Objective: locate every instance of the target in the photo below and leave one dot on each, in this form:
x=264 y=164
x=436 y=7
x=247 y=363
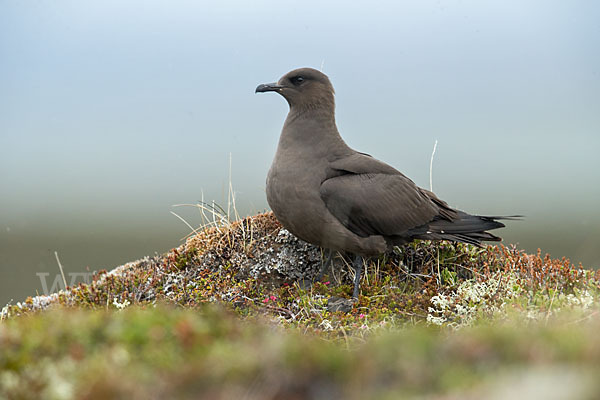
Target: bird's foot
x=340 y=304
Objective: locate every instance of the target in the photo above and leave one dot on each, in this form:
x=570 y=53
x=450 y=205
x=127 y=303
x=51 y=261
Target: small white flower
x=122 y=305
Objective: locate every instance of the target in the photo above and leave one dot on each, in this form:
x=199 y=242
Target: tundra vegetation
x=233 y=313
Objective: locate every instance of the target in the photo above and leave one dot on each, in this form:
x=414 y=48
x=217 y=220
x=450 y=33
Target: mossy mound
x=228 y=315
x=255 y=267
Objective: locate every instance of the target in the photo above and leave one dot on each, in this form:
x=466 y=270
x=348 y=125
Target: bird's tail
x=466 y=228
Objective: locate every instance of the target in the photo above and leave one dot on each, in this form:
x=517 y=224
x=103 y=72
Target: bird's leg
x=358 y=267
x=335 y=304
x=325 y=263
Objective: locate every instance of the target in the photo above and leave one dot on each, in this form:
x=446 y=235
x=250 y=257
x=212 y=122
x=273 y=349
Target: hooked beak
x=268 y=87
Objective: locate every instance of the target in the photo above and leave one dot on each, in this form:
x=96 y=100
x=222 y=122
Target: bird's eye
x=297 y=80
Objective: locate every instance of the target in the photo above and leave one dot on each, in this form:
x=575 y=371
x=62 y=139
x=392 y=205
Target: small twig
x=582 y=319
x=281 y=310
x=439 y=275
x=419 y=275
x=345 y=338
x=550 y=306
x=431 y=167
x=495 y=295
x=229 y=191
x=62 y=273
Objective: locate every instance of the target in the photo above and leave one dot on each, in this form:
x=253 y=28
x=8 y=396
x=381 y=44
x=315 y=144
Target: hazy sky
x=112 y=111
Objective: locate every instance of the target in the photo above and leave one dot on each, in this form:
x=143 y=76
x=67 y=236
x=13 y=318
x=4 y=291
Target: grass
x=226 y=315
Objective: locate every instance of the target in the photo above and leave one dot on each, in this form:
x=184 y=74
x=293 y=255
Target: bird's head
x=303 y=88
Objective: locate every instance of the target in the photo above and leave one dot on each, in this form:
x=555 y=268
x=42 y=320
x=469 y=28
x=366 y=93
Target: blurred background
x=112 y=112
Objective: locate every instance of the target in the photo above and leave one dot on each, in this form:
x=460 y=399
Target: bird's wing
x=361 y=163
x=377 y=204
x=372 y=198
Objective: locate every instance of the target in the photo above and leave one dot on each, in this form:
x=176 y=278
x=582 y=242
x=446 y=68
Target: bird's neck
x=314 y=129
x=324 y=116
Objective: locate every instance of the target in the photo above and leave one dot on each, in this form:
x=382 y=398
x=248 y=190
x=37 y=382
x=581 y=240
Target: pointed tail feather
x=466 y=228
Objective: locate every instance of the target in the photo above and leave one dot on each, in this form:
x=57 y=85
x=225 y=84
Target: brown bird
x=332 y=196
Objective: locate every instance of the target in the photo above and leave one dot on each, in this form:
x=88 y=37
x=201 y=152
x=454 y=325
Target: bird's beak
x=268 y=87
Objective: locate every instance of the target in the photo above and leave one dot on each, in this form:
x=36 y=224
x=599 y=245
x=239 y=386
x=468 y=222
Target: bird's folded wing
x=360 y=163
x=377 y=203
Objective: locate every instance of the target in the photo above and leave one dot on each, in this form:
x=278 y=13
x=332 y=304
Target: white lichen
x=326 y=325
x=470 y=299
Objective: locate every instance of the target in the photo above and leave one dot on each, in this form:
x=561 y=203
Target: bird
x=330 y=195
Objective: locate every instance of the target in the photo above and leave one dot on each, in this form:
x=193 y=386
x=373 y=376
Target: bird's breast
x=293 y=195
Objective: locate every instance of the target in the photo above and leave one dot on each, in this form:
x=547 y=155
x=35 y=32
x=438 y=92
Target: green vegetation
x=227 y=315
x=168 y=352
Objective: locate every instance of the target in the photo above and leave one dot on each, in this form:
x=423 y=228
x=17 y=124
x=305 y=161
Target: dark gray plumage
x=332 y=196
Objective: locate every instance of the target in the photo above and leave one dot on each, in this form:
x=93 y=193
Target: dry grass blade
x=62 y=272
x=194 y=231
